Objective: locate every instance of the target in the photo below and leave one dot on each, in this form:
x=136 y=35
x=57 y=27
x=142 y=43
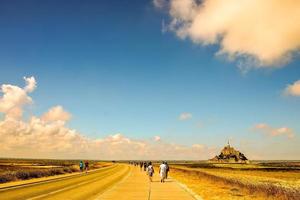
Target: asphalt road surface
x=117 y=182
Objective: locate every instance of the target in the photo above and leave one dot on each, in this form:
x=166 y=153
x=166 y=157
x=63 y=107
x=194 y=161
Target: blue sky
x=111 y=66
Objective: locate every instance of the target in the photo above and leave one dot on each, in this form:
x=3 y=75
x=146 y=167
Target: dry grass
x=13 y=173
x=232 y=184
x=23 y=169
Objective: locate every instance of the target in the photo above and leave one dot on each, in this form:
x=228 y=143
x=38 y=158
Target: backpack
x=150 y=169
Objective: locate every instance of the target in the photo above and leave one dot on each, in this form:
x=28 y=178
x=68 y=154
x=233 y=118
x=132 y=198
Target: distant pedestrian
x=141 y=166
x=168 y=169
x=150 y=171
x=145 y=166
x=162 y=172
x=86 y=164
x=81 y=166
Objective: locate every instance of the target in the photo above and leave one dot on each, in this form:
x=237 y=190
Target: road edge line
x=112 y=187
x=52 y=179
x=65 y=188
x=149 y=193
x=188 y=190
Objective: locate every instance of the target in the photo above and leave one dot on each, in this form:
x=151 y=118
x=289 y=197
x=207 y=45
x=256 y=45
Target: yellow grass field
x=211 y=181
x=230 y=181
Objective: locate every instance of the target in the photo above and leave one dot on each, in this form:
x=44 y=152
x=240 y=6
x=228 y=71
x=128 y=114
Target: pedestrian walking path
x=137 y=187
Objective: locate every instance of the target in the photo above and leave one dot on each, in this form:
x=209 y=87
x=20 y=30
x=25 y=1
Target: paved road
x=137 y=187
x=82 y=186
x=112 y=183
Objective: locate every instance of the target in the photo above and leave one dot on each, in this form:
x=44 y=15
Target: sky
x=149 y=79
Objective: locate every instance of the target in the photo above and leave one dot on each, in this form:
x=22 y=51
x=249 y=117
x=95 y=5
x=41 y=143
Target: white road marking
x=66 y=188
x=50 y=180
x=114 y=186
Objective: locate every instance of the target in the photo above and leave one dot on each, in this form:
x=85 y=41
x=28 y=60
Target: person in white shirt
x=150 y=171
x=162 y=172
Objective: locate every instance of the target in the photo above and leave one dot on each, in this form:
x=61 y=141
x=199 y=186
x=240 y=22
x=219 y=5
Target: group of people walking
x=84 y=166
x=149 y=169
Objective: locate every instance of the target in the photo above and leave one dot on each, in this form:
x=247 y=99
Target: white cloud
x=56 y=113
x=270 y=131
x=38 y=138
x=14 y=98
x=293 y=89
x=185 y=116
x=30 y=84
x=198 y=146
x=157 y=138
x=48 y=137
x=257 y=33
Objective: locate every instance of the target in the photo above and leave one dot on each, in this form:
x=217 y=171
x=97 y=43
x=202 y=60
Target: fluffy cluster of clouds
x=270 y=131
x=14 y=98
x=47 y=136
x=293 y=89
x=257 y=33
x=56 y=113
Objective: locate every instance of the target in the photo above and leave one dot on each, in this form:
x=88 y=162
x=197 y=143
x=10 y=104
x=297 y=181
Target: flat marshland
x=259 y=180
x=23 y=169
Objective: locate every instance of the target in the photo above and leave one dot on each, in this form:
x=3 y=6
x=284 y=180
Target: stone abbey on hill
x=229 y=154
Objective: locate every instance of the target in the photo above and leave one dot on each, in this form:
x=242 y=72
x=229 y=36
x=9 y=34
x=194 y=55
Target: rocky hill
x=229 y=154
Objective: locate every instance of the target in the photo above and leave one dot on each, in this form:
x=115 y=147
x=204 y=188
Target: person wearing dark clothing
x=145 y=166
x=150 y=171
x=86 y=164
x=168 y=169
x=141 y=166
